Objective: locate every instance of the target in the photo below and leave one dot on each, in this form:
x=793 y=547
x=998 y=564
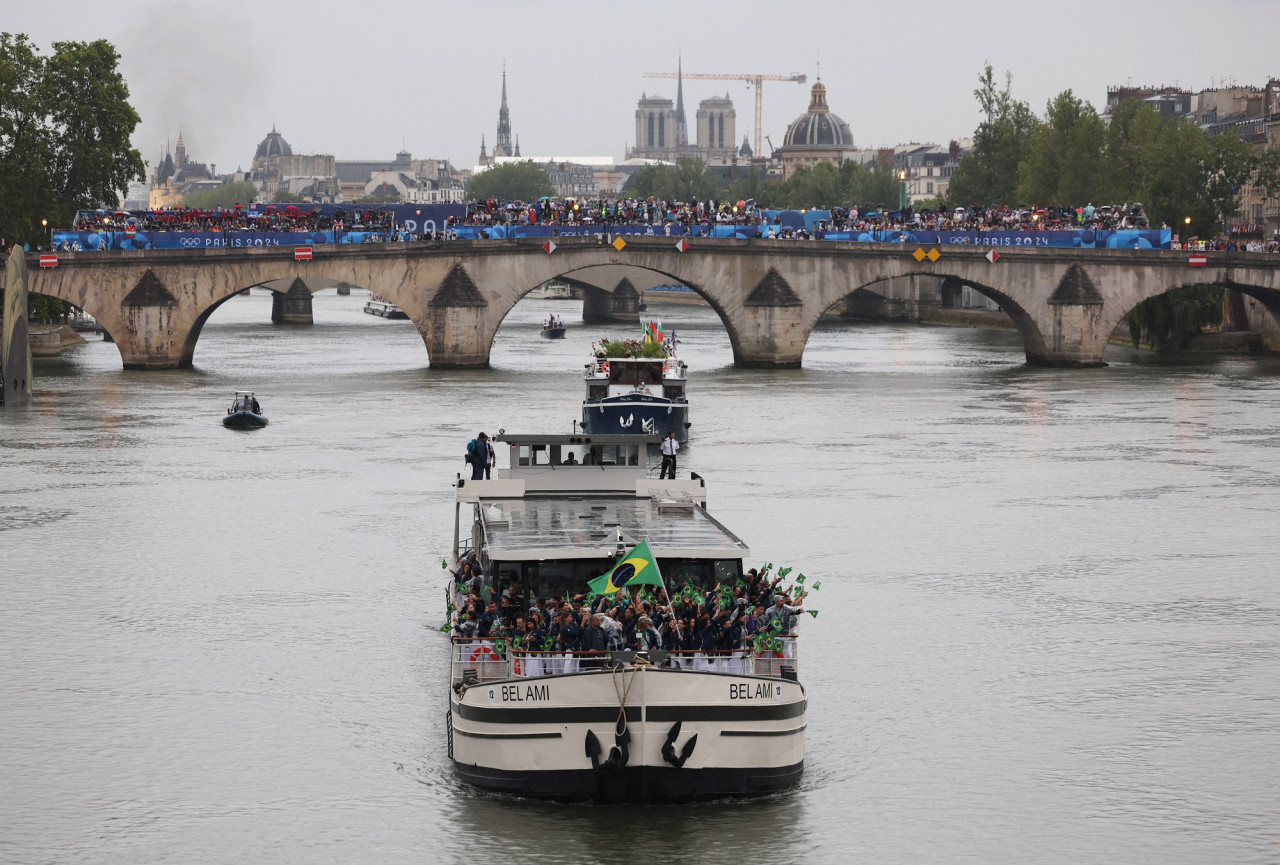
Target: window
x=721 y=130
x=649 y=139
x=928 y=188
x=662 y=131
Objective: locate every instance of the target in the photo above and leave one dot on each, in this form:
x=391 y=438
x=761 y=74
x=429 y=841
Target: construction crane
x=756 y=81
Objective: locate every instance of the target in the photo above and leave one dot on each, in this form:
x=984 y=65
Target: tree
x=1134 y=127
x=1064 y=162
x=1168 y=321
x=227 y=195
x=65 y=125
x=685 y=181
x=284 y=196
x=988 y=174
x=514 y=181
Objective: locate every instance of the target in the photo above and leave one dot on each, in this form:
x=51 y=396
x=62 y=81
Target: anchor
x=626 y=424
x=669 y=750
x=649 y=425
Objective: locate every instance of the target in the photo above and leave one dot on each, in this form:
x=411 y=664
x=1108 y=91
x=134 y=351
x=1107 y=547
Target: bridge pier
x=620 y=307
x=1077 y=333
x=293 y=306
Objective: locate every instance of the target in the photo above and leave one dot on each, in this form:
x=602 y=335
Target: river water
x=1048 y=631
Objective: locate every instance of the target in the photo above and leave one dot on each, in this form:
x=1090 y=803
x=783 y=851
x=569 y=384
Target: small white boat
x=380 y=306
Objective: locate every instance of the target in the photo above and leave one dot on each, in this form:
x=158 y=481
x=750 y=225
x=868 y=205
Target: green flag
x=816 y=585
x=813 y=613
x=637 y=568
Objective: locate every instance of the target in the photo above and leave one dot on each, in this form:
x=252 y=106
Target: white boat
x=651 y=727
x=636 y=395
x=378 y=305
x=555 y=290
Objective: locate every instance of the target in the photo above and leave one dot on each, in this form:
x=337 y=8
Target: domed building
x=276 y=168
x=273 y=145
x=815 y=136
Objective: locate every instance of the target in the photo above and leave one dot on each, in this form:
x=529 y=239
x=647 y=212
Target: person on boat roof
x=478 y=456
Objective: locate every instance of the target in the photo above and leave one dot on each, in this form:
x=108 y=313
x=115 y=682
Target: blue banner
x=140 y=239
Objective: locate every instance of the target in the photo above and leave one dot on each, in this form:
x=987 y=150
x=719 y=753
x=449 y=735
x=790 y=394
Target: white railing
x=483 y=656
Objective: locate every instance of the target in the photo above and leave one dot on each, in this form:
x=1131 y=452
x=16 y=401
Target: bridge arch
x=1267 y=295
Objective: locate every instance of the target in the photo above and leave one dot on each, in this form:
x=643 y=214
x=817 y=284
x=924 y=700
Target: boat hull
x=637 y=415
x=244 y=420
x=553 y=333
x=647 y=785
x=533 y=736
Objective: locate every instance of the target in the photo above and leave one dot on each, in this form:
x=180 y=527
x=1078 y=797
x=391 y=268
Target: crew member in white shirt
x=669 y=449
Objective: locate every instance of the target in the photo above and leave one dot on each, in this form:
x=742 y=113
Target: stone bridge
x=770 y=294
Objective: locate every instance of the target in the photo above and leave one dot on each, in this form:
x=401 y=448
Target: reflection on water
x=1047 y=631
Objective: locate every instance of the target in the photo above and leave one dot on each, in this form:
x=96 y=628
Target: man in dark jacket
x=593 y=641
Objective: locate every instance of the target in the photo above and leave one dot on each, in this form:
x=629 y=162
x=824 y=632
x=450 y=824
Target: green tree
x=227 y=195
x=686 y=180
x=1134 y=127
x=1168 y=321
x=988 y=174
x=65 y=125
x=514 y=181
x=1063 y=165
x=284 y=196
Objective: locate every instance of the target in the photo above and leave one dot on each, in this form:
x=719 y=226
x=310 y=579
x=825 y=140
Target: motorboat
x=632 y=391
x=553 y=328
x=650 y=727
x=380 y=306
x=245 y=412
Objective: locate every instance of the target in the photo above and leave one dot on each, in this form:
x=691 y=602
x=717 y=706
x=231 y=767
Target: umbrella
x=271 y=207
x=290 y=209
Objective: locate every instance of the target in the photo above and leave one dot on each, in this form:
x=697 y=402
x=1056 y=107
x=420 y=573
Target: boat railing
x=493 y=659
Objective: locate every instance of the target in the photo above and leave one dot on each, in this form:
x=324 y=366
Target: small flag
x=800 y=579
x=48 y=261
x=782 y=572
x=816 y=585
x=813 y=613
x=302 y=253
x=446 y=627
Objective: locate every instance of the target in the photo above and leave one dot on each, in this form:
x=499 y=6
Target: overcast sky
x=356 y=80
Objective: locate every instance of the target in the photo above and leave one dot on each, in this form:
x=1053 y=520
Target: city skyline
x=573 y=78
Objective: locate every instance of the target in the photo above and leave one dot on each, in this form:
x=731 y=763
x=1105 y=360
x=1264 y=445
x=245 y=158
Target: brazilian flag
x=637 y=568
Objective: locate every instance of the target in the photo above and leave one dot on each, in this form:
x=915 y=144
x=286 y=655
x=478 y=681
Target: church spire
x=682 y=126
x=502 y=147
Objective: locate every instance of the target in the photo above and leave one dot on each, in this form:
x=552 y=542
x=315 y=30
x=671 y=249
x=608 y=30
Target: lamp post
x=1187 y=222
x=44 y=225
x=902 y=189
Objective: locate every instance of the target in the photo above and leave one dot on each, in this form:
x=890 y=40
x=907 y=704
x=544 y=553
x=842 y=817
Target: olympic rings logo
x=190 y=242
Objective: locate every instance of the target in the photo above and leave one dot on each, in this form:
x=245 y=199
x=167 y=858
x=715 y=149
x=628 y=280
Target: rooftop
x=570 y=527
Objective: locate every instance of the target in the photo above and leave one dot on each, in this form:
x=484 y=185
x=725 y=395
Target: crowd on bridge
x=271 y=217
x=715 y=627
x=379 y=223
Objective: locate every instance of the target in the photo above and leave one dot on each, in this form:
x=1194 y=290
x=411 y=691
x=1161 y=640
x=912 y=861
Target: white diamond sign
x=993 y=256
x=549 y=246
x=682 y=245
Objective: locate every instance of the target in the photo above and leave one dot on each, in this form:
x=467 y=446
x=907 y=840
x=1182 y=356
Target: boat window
x=534 y=455
x=551 y=578
x=703 y=573
x=573 y=455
